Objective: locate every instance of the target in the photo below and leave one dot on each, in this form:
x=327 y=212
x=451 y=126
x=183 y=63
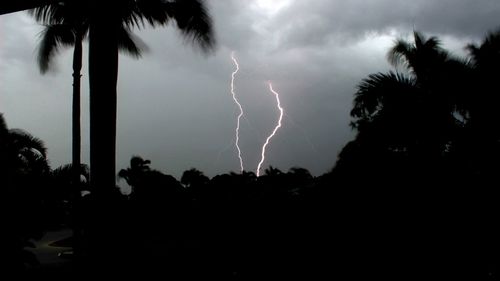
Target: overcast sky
x=174 y=105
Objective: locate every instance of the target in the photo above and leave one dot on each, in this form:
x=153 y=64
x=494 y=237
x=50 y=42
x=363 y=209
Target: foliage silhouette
x=426 y=138
x=413 y=196
x=106 y=24
x=134 y=174
x=67 y=24
x=24 y=174
x=62 y=198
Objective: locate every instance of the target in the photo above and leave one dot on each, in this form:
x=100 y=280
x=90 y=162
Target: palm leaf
x=400 y=53
x=375 y=91
x=130 y=43
x=53 y=37
x=193 y=21
x=23 y=141
x=65 y=172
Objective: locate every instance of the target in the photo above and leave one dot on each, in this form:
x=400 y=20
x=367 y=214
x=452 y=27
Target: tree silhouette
x=67 y=24
x=193 y=177
x=195 y=182
x=105 y=25
x=482 y=146
x=135 y=173
x=482 y=107
x=418 y=113
x=24 y=175
x=62 y=198
x=427 y=136
x=272 y=172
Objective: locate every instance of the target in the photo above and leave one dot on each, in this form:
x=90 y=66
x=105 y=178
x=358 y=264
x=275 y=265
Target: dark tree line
x=437 y=114
x=424 y=162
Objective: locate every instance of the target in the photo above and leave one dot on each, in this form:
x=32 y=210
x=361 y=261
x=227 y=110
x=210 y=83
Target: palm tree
x=486 y=56
x=63 y=177
x=194 y=178
x=485 y=61
x=21 y=153
x=23 y=157
x=68 y=25
x=63 y=199
x=24 y=170
x=105 y=23
x=484 y=134
x=416 y=111
x=387 y=110
x=410 y=121
x=423 y=58
x=135 y=174
x=430 y=65
x=71 y=31
x=193 y=21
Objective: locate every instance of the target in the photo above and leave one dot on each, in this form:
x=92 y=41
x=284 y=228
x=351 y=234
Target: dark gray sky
x=174 y=105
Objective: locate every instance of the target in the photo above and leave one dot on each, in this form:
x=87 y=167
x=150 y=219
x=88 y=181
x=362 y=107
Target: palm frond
x=130 y=43
x=54 y=13
x=400 y=53
x=433 y=43
x=194 y=22
x=65 y=172
x=154 y=12
x=53 y=37
x=374 y=90
x=473 y=50
x=488 y=53
x=22 y=140
x=67 y=12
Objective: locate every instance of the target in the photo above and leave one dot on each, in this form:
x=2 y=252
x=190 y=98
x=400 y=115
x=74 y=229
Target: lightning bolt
x=237 y=130
x=263 y=154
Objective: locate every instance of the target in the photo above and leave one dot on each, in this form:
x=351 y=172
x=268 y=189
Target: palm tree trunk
x=103 y=74
x=77 y=66
x=76 y=149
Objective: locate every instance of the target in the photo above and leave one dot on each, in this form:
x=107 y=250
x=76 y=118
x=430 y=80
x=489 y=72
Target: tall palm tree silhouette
x=193 y=21
x=69 y=30
x=68 y=25
x=106 y=24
